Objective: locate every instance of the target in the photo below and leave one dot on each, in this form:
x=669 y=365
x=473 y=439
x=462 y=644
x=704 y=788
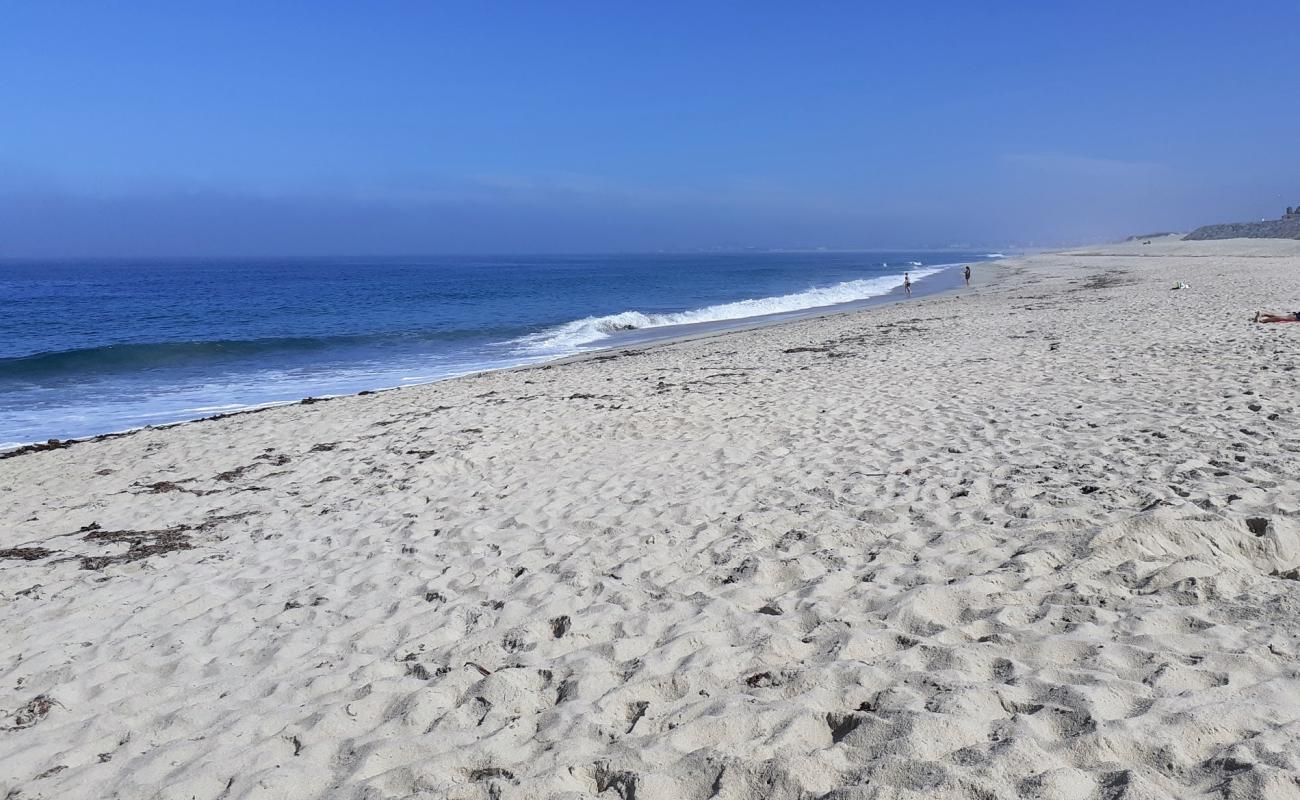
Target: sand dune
x=1040 y=538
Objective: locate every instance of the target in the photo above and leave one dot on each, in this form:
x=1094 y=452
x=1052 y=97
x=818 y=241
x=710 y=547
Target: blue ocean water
x=89 y=347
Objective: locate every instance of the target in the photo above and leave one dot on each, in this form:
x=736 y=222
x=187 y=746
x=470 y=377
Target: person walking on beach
x=907 y=284
x=968 y=274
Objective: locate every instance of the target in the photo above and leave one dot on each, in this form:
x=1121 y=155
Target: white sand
x=988 y=545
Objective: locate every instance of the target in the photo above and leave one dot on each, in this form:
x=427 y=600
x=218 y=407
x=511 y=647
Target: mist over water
x=90 y=347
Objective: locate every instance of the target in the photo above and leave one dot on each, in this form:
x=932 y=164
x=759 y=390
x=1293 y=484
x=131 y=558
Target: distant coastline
x=1285 y=227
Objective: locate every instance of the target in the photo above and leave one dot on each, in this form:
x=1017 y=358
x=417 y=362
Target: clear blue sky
x=402 y=127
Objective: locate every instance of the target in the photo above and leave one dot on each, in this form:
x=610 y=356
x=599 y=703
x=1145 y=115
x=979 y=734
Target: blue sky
x=179 y=128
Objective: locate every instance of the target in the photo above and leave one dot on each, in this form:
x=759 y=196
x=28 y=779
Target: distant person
x=907 y=284
x=968 y=274
x=1267 y=316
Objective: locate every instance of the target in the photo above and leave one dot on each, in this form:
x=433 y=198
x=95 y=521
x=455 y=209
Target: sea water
x=90 y=347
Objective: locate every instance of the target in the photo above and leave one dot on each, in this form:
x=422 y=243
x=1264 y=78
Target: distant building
x=1292 y=213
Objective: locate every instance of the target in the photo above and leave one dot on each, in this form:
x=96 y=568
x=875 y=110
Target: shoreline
x=1038 y=539
x=742 y=324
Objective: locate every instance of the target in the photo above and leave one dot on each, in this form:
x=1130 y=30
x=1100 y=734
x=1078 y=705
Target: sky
x=329 y=128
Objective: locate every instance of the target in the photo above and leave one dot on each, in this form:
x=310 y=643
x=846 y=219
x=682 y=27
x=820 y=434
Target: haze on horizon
x=182 y=129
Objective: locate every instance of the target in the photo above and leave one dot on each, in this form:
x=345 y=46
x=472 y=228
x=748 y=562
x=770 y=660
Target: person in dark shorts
x=907 y=284
x=968 y=274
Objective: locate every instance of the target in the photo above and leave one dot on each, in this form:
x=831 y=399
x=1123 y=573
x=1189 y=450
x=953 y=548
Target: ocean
x=98 y=346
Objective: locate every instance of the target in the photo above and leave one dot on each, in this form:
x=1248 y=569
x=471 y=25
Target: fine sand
x=1038 y=538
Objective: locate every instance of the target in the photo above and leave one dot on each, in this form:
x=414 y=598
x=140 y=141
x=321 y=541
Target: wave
x=143 y=356
x=995 y=255
x=582 y=333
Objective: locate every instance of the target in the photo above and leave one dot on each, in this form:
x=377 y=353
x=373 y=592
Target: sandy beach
x=1036 y=538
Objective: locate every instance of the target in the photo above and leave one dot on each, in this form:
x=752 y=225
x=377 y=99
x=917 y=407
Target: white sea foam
x=995 y=255
x=582 y=333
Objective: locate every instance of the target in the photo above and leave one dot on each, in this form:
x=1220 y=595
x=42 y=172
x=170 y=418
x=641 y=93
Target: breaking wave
x=582 y=333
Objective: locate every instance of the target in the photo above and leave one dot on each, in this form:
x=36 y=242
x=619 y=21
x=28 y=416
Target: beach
x=1034 y=538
